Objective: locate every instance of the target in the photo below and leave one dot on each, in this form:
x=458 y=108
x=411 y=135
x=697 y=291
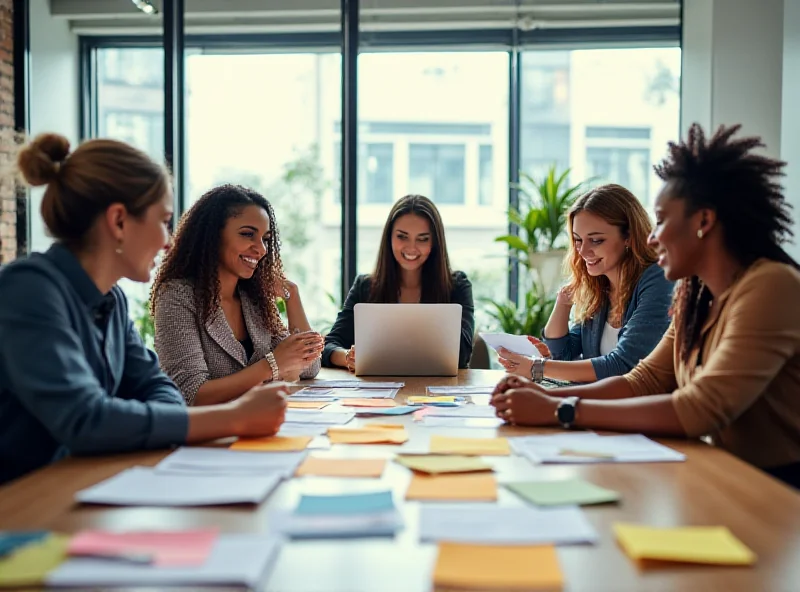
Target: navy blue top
x=645 y=321
x=75 y=377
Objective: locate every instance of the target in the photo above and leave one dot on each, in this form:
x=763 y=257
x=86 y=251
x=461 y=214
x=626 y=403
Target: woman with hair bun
x=75 y=377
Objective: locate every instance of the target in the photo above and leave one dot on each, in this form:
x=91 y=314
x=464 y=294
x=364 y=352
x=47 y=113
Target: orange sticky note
x=341 y=467
x=490 y=567
x=366 y=436
x=477 y=487
x=273 y=443
x=470 y=446
x=306 y=405
x=368 y=403
x=385 y=426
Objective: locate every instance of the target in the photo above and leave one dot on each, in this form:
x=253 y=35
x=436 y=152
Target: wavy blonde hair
x=619 y=207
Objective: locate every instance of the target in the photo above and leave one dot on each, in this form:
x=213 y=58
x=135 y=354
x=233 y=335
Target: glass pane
x=606 y=114
x=445 y=117
x=267 y=121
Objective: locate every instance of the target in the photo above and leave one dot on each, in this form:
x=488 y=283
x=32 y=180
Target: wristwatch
x=565 y=412
x=273 y=364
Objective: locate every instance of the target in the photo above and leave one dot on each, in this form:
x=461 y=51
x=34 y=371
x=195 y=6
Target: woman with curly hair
x=619 y=295
x=218 y=328
x=729 y=366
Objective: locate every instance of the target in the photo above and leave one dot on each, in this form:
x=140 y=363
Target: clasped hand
x=297 y=352
x=521 y=401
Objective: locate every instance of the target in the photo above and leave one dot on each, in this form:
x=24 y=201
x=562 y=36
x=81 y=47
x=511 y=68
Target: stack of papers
x=504 y=525
x=429 y=421
x=487 y=567
x=517 y=344
x=591 y=448
x=305 y=416
x=436 y=400
x=368 y=435
x=473 y=411
x=272 y=444
x=224 y=461
x=354 y=384
x=307 y=404
x=563 y=492
x=435 y=465
x=401 y=410
x=460 y=390
x=289 y=430
x=340 y=516
x=145 y=486
x=235 y=560
x=368 y=402
x=29 y=562
x=475 y=487
x=469 y=446
x=707 y=544
x=161 y=548
x=341 y=467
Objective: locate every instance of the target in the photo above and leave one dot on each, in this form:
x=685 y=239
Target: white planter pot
x=548 y=269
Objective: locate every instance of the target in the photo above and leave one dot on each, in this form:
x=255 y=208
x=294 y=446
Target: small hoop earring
x=700 y=233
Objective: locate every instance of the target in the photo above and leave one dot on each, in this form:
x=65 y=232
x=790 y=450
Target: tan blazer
x=191 y=352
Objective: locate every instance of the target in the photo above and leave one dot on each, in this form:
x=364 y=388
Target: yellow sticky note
x=368 y=403
x=385 y=426
x=490 y=567
x=689 y=544
x=341 y=467
x=425 y=399
x=306 y=405
x=28 y=565
x=443 y=464
x=366 y=436
x=470 y=446
x=272 y=444
x=478 y=488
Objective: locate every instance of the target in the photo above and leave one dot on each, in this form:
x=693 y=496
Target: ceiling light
x=146 y=6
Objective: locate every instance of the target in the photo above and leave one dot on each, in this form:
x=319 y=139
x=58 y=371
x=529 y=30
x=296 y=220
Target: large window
x=445 y=117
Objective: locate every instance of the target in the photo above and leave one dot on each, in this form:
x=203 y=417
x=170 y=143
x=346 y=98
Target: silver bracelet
x=537 y=369
x=273 y=364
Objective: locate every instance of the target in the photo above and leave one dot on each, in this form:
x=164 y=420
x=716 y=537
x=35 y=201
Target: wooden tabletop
x=710 y=488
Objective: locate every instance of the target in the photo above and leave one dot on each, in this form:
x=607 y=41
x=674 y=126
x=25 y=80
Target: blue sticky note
x=401 y=410
x=359 y=503
x=10 y=541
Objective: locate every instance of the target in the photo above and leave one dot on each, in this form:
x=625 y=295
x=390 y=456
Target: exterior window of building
x=437 y=171
x=376 y=179
x=485 y=175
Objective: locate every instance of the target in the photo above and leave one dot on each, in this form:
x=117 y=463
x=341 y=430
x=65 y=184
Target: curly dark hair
x=195 y=254
x=743 y=189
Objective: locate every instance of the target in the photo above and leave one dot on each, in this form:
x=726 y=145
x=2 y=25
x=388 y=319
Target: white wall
x=54 y=92
x=790 y=131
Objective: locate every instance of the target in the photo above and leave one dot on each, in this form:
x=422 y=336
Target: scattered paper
x=321 y=526
x=462 y=487
x=361 y=402
x=493 y=567
x=235 y=560
x=469 y=446
x=144 y=486
x=481 y=411
x=165 y=548
x=563 y=492
x=460 y=422
x=367 y=436
x=229 y=462
x=355 y=383
x=307 y=404
x=460 y=390
x=342 y=467
x=427 y=400
x=504 y=525
x=12 y=540
x=272 y=444
x=29 y=564
x=517 y=344
x=349 y=504
x=590 y=448
x=698 y=544
x=289 y=430
x=322 y=417
x=443 y=464
x=401 y=410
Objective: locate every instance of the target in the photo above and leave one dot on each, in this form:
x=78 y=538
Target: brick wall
x=8 y=199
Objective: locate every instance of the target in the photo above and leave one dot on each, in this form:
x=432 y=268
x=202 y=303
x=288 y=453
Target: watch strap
x=566 y=411
x=273 y=364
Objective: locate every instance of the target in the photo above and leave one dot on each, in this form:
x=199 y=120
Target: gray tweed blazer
x=192 y=352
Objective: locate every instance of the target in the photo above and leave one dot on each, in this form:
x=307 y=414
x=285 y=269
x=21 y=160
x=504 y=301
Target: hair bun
x=40 y=161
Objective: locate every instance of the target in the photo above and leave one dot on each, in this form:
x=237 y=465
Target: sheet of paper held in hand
x=518 y=344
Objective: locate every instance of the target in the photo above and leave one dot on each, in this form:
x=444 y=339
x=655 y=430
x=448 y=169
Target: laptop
x=407 y=339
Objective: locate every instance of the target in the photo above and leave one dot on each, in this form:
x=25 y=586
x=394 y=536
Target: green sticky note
x=563 y=492
x=444 y=464
x=28 y=565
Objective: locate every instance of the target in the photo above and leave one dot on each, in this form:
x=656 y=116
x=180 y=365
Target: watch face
x=566 y=412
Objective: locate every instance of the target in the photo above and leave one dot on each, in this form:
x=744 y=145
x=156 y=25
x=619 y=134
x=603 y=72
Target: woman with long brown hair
x=412 y=266
x=617 y=295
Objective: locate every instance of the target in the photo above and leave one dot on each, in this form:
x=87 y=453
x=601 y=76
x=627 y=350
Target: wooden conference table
x=710 y=488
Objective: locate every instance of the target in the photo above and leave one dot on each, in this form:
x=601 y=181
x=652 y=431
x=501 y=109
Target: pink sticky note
x=167 y=548
x=418 y=415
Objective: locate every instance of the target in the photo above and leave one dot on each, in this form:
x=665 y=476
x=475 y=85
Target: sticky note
x=13 y=540
x=385 y=426
x=358 y=503
x=366 y=436
x=424 y=399
x=563 y=492
x=688 y=544
x=166 y=548
x=306 y=405
x=479 y=487
x=368 y=402
x=443 y=464
x=28 y=565
x=402 y=410
x=273 y=443
x=341 y=467
x=493 y=567
x=470 y=446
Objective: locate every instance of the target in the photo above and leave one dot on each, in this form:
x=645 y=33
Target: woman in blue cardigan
x=617 y=296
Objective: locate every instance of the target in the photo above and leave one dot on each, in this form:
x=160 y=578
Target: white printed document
x=518 y=344
x=581 y=448
x=223 y=461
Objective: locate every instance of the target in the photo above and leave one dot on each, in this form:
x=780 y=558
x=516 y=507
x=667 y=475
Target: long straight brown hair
x=437 y=277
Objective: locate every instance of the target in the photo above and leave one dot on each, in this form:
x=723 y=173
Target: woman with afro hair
x=218 y=328
x=729 y=365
